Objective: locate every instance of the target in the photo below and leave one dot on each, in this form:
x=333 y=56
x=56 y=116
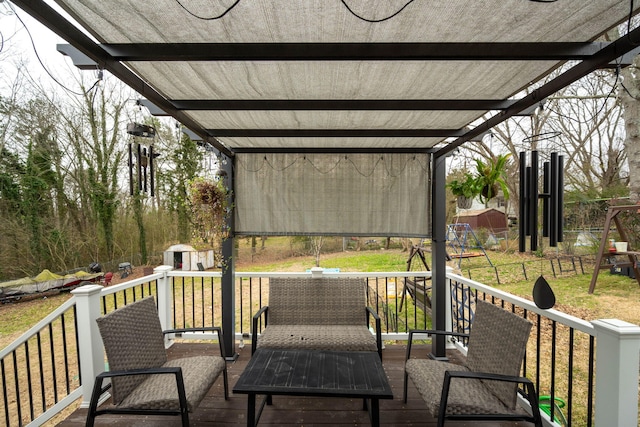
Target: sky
x=16 y=45
x=25 y=40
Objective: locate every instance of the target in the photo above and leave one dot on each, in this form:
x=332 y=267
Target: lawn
x=615 y=296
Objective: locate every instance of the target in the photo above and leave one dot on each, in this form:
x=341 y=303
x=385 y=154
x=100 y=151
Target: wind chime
x=552 y=212
x=141 y=159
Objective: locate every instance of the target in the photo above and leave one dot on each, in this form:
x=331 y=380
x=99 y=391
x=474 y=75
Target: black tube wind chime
x=141 y=160
x=552 y=212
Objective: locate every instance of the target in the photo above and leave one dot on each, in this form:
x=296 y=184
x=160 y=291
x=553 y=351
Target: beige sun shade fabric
x=333 y=194
x=349 y=21
x=126 y=21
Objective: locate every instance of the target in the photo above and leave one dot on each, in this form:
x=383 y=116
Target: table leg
x=251 y=410
x=375 y=413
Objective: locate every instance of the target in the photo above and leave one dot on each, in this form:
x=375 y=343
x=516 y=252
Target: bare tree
x=94 y=130
x=584 y=124
x=316 y=247
x=629 y=94
x=590 y=121
x=178 y=166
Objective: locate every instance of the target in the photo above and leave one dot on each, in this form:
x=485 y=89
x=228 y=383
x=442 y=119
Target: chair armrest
x=372 y=313
x=412 y=332
x=216 y=329
x=254 y=332
x=530 y=395
x=485 y=376
x=145 y=371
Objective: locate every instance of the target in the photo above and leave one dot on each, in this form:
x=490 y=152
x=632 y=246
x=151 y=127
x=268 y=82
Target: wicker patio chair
x=486 y=386
x=143 y=381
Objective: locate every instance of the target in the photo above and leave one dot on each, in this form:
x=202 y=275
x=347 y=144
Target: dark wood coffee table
x=355 y=374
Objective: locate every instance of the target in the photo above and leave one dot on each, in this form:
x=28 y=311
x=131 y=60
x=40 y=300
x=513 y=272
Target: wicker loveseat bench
x=327 y=313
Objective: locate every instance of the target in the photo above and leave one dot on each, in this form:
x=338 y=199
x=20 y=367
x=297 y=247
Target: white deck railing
x=613 y=370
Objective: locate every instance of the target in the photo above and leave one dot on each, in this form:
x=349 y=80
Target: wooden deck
x=291 y=411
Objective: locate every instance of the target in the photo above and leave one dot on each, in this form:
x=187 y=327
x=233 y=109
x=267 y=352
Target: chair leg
x=444 y=397
x=226 y=383
x=406 y=378
x=185 y=418
x=93 y=405
x=182 y=398
x=532 y=397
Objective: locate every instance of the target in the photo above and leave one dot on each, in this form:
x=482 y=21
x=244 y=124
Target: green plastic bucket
x=558 y=415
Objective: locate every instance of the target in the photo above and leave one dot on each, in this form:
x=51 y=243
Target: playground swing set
x=608 y=256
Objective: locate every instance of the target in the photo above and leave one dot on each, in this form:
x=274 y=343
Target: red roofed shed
x=489 y=218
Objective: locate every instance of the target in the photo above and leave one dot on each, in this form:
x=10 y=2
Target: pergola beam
x=616 y=49
x=342 y=104
x=337 y=133
x=534 y=51
x=334 y=150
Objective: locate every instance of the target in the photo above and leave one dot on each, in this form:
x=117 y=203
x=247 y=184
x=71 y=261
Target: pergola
x=335 y=116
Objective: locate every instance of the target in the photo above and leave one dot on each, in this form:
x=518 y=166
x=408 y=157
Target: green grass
x=17 y=318
x=274 y=258
x=369 y=261
x=615 y=296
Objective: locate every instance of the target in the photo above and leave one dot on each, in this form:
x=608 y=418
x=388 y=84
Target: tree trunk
x=631 y=105
x=254 y=243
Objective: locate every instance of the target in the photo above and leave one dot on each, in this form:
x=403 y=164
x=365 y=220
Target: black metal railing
x=197 y=301
x=402 y=302
x=41 y=369
x=120 y=296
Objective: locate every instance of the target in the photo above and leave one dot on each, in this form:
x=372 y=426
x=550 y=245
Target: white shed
x=187 y=258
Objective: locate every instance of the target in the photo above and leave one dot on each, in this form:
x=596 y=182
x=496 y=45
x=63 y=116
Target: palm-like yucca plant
x=491 y=177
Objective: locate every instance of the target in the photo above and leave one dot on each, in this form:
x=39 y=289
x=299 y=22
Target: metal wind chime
x=552 y=212
x=141 y=159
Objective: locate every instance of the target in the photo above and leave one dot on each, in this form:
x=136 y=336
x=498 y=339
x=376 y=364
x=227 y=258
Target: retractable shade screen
x=333 y=194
